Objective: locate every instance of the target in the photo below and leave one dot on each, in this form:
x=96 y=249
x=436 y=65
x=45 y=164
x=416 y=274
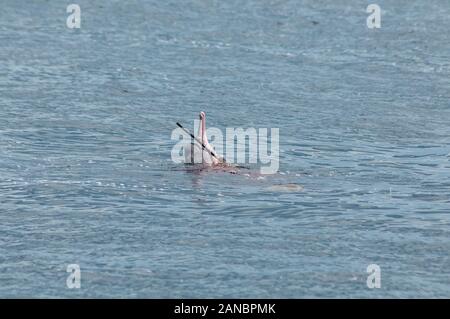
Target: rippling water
x=86 y=176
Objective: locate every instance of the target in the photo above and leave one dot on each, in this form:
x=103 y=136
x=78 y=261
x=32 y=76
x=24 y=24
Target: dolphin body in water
x=200 y=152
x=201 y=149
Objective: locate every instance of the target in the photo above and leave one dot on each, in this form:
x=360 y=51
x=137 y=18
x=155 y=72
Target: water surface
x=86 y=176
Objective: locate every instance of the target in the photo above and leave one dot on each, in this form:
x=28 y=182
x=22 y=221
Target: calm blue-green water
x=85 y=169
